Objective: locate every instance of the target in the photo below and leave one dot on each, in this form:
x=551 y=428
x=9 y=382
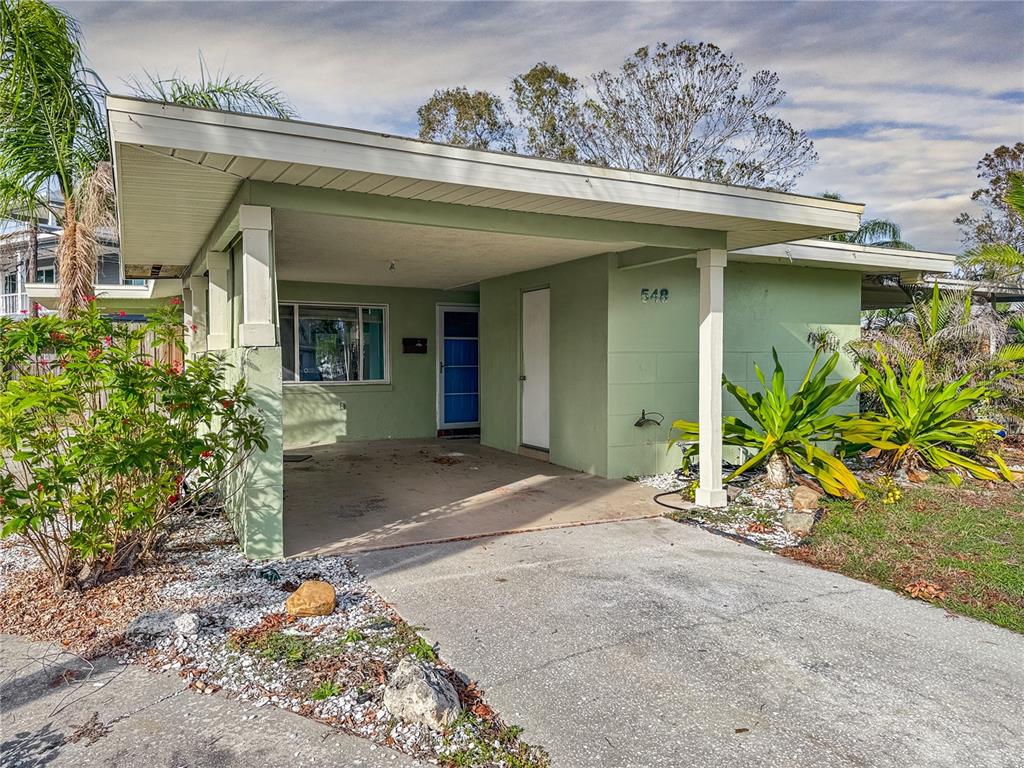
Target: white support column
x=198 y=288
x=711 y=264
x=257 y=328
x=186 y=310
x=218 y=321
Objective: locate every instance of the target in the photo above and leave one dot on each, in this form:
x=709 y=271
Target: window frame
x=359 y=307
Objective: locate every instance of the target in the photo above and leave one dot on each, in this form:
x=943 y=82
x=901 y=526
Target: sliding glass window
x=338 y=343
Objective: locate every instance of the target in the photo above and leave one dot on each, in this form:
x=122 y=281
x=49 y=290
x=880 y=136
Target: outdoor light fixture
x=644 y=419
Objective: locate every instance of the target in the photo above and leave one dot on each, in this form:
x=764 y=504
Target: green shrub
x=920 y=424
x=788 y=427
x=325 y=690
x=104 y=440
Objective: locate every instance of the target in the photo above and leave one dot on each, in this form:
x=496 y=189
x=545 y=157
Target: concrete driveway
x=649 y=643
x=358 y=496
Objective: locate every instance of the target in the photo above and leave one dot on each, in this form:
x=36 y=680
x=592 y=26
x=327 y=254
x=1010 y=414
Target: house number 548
x=656 y=295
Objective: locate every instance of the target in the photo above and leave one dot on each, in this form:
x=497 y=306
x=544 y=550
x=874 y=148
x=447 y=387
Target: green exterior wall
x=321 y=414
x=612 y=355
x=255 y=492
x=652 y=347
x=579 y=372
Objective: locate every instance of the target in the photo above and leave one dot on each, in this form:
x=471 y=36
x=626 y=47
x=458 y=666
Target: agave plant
x=788 y=427
x=922 y=424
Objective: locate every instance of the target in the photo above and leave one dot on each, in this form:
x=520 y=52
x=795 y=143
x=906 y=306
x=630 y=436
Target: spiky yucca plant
x=787 y=428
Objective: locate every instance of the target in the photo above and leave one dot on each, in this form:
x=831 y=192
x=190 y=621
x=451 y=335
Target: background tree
x=547 y=100
x=1004 y=260
x=681 y=110
x=473 y=119
x=999 y=222
x=53 y=129
x=881 y=233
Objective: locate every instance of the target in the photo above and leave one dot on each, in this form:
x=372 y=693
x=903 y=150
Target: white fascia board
x=851 y=256
x=147 y=123
x=117 y=292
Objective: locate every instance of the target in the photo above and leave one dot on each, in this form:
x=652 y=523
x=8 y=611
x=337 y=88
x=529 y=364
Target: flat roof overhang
x=850 y=256
x=178 y=169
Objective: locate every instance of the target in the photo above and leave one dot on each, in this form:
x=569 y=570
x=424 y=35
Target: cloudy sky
x=902 y=99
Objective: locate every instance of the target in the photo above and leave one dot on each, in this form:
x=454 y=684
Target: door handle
x=522 y=377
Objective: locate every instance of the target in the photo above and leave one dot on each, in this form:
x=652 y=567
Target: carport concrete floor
x=358 y=496
x=649 y=644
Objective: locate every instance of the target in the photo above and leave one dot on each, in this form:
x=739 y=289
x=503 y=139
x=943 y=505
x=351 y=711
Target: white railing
x=13 y=303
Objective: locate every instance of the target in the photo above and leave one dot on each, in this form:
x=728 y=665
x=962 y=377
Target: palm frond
x=247 y=95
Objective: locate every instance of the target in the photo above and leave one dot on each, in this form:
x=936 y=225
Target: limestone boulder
x=312 y=598
x=798 y=522
x=419 y=693
x=805 y=499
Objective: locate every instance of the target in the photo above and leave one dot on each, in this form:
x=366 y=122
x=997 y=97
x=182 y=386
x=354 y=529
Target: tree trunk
x=33 y=258
x=777 y=471
x=76 y=260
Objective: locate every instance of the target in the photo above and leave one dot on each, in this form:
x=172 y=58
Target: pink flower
x=90 y=299
x=37 y=306
x=175 y=301
x=176 y=368
x=23 y=311
x=206 y=454
x=122 y=313
x=147 y=362
x=107 y=340
x=194 y=327
x=44 y=363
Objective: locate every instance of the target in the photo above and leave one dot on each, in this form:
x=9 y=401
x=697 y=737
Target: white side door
x=536 y=375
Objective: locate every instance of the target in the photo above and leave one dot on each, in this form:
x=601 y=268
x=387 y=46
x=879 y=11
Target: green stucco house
x=372 y=287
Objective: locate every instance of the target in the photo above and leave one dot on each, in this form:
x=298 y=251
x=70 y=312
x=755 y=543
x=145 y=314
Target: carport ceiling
x=337 y=249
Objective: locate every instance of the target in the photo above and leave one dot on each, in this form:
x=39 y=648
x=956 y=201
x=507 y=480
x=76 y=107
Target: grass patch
x=325 y=690
x=492 y=743
x=961 y=548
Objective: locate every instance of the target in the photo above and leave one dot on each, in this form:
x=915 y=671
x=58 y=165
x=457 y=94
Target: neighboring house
x=21 y=290
x=373 y=287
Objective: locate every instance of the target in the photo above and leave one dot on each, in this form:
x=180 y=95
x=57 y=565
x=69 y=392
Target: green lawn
x=963 y=548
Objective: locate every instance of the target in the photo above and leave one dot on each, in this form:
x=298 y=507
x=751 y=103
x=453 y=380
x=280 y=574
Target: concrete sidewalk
x=649 y=643
x=48 y=699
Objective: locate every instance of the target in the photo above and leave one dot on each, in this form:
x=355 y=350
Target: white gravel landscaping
x=755 y=511
x=215 y=610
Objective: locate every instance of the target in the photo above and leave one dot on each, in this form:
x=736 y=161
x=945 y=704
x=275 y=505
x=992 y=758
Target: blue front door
x=459 y=380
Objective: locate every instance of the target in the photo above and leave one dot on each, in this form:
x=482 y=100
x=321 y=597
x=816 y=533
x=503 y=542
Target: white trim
x=386 y=331
x=439 y=374
x=129 y=124
x=836 y=255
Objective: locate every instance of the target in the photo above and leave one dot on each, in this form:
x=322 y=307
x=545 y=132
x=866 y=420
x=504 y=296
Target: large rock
x=150 y=627
x=798 y=522
x=188 y=624
x=805 y=499
x=418 y=693
x=312 y=598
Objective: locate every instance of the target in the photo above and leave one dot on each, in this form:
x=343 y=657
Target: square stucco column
x=218 y=321
x=711 y=265
x=197 y=288
x=257 y=328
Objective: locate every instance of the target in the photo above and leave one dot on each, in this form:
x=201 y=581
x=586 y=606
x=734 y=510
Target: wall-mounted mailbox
x=411 y=346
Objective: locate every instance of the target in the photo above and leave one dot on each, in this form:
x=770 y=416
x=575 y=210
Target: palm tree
x=52 y=127
x=880 y=233
x=953 y=337
x=1001 y=260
